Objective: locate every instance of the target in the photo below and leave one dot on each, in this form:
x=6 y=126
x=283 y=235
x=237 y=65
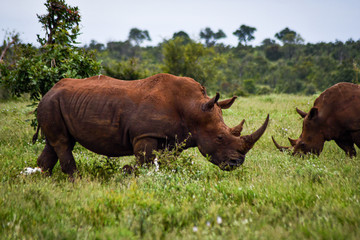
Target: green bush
x=263 y=90
x=126 y=70
x=249 y=86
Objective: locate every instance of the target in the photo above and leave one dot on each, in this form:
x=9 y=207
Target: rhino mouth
x=232 y=164
x=304 y=152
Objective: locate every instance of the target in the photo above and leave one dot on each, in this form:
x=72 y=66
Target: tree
x=249 y=86
x=120 y=50
x=268 y=42
x=138 y=36
x=272 y=52
x=289 y=36
x=61 y=23
x=12 y=39
x=9 y=53
x=191 y=60
x=245 y=34
x=211 y=37
x=183 y=35
x=94 y=45
x=290 y=39
x=126 y=70
x=39 y=69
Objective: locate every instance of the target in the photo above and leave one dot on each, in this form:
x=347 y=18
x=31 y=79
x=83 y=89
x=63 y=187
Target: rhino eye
x=219 y=138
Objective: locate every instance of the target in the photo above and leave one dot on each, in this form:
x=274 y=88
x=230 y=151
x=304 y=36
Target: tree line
x=283 y=64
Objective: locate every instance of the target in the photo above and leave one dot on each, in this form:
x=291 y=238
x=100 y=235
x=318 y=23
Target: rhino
x=117 y=118
x=334 y=116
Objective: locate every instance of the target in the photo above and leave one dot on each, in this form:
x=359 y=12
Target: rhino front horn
x=252 y=138
x=281 y=148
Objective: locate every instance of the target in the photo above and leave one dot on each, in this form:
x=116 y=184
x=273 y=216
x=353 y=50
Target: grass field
x=272 y=196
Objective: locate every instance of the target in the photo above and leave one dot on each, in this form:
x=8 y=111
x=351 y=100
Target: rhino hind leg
x=347 y=145
x=144 y=148
x=47 y=159
x=64 y=152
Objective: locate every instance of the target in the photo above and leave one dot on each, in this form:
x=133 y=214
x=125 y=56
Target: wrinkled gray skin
x=334 y=116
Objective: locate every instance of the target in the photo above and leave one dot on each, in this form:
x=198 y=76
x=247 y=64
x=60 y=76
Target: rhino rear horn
x=225 y=104
x=292 y=141
x=236 y=131
x=301 y=113
x=281 y=148
x=252 y=138
x=210 y=104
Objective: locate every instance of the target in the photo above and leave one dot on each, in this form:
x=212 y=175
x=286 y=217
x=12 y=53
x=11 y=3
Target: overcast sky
x=111 y=20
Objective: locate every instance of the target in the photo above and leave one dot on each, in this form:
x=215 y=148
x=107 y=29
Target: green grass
x=272 y=196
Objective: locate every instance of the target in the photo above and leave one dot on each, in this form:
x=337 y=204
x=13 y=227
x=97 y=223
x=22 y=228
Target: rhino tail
x=34 y=138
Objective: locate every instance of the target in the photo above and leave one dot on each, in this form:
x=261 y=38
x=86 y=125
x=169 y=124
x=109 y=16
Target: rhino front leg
x=347 y=145
x=143 y=150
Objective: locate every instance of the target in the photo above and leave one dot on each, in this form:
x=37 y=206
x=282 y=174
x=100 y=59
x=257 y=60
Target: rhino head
x=224 y=145
x=311 y=139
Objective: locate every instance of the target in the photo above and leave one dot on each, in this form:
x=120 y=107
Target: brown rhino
x=118 y=118
x=334 y=116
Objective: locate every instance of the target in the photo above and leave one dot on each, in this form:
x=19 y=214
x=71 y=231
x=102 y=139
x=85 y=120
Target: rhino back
x=339 y=105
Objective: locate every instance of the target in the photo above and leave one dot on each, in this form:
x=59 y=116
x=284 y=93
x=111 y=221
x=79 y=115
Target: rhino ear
x=313 y=113
x=301 y=113
x=225 y=104
x=208 y=106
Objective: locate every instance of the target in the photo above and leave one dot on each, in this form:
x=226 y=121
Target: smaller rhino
x=334 y=116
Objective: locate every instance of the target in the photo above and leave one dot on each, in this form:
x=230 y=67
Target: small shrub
x=240 y=92
x=173 y=160
x=263 y=90
x=249 y=86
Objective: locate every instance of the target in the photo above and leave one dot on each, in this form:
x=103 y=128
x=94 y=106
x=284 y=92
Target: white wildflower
x=219 y=220
x=29 y=170
x=156 y=164
x=195 y=229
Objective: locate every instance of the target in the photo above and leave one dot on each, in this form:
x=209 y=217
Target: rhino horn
x=292 y=141
x=236 y=131
x=301 y=113
x=281 y=148
x=210 y=104
x=225 y=104
x=252 y=138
